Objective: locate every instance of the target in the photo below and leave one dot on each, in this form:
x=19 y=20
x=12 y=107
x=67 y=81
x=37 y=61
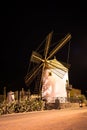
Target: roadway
x=63 y=119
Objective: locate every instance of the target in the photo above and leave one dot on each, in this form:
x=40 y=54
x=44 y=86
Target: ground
x=63 y=119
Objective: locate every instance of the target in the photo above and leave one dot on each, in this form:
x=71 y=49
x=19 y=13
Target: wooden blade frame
x=36 y=57
x=48 y=40
x=41 y=77
x=58 y=67
x=30 y=76
x=60 y=45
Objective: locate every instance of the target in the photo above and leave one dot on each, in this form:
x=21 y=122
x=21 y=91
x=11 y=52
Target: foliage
x=85 y=101
x=75 y=95
x=82 y=98
x=21 y=106
x=75 y=92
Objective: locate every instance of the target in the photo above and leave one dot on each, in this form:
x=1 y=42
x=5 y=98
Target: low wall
x=49 y=106
x=69 y=105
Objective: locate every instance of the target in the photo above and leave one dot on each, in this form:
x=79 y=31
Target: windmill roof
x=57 y=64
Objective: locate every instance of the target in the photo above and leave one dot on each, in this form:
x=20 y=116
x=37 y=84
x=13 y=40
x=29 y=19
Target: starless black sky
x=24 y=27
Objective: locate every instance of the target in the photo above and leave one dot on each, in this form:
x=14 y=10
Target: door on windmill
x=54 y=87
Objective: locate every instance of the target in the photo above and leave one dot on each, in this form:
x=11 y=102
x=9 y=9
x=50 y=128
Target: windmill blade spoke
x=36 y=57
x=30 y=76
x=60 y=45
x=41 y=76
x=48 y=40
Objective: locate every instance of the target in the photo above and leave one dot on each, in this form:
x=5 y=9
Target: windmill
x=43 y=62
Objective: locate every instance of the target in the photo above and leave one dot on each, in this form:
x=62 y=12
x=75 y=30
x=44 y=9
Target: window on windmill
x=50 y=74
x=67 y=84
x=66 y=80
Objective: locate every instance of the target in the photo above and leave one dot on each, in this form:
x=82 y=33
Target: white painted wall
x=53 y=86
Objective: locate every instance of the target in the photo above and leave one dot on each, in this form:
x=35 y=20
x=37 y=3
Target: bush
x=22 y=106
x=82 y=98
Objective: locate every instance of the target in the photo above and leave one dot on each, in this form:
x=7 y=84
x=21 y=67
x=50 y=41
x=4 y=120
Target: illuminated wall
x=53 y=86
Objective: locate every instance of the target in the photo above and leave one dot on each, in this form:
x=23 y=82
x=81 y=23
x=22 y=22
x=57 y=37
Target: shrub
x=22 y=106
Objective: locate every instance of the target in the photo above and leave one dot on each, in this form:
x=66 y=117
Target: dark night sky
x=23 y=29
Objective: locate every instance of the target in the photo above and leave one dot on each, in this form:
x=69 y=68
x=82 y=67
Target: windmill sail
x=32 y=74
x=36 y=57
x=59 y=46
x=47 y=45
